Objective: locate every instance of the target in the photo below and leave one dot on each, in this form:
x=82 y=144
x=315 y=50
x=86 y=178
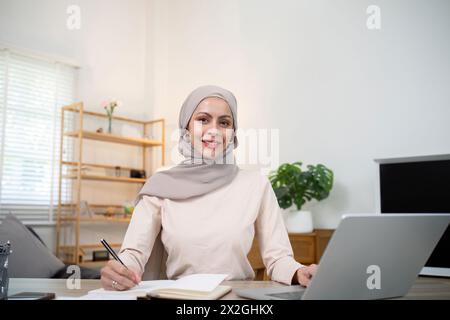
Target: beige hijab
x=195 y=175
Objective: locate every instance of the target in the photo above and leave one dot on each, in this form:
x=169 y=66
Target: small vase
x=298 y=221
x=110 y=125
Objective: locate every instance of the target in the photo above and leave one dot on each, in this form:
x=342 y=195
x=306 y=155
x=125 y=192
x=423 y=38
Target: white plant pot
x=298 y=221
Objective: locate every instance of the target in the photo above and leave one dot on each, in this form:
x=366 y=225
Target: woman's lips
x=210 y=144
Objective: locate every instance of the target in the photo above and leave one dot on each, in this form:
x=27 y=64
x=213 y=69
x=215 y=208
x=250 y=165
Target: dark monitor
x=409 y=185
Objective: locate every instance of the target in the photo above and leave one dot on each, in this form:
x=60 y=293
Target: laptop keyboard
x=297 y=295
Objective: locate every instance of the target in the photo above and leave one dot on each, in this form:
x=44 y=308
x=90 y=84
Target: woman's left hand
x=305 y=274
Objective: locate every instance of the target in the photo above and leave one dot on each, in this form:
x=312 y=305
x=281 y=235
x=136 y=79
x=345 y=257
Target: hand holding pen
x=116 y=275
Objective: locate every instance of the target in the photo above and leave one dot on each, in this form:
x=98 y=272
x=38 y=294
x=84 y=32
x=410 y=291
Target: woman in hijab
x=202 y=215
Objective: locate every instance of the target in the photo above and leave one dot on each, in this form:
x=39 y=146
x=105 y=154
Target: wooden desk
x=423 y=288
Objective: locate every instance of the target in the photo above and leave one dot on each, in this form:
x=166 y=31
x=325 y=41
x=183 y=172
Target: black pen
x=111 y=251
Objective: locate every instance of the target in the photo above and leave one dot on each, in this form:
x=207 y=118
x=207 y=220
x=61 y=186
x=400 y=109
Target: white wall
x=110 y=48
x=340 y=94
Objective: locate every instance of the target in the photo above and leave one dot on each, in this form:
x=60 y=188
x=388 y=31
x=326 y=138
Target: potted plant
x=294 y=187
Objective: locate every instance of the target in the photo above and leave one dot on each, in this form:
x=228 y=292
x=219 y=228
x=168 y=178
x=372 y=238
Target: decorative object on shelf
x=5 y=251
x=137 y=174
x=100 y=255
x=128 y=208
x=294 y=187
x=109 y=106
x=85 y=210
x=99 y=130
x=110 y=212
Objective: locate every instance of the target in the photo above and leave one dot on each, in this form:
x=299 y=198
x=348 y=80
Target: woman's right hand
x=115 y=276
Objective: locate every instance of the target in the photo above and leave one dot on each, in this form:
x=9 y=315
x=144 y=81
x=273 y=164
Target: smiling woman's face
x=211 y=127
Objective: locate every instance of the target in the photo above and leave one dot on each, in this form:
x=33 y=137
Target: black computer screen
x=419 y=187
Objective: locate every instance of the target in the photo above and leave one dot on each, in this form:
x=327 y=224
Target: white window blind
x=32 y=92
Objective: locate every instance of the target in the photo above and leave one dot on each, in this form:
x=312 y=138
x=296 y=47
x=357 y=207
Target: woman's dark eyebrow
x=207 y=114
x=203 y=113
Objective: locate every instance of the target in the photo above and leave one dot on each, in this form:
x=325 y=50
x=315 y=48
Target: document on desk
x=99 y=296
x=195 y=286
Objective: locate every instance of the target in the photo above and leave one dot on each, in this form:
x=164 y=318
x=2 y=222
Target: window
x=32 y=92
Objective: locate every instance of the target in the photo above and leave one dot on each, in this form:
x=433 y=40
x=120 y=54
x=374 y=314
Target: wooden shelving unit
x=74 y=252
x=96 y=219
x=114 y=138
x=103 y=178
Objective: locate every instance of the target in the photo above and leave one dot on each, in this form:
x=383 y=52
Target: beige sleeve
x=275 y=247
x=142 y=231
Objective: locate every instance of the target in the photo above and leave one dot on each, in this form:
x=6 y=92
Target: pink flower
x=110 y=105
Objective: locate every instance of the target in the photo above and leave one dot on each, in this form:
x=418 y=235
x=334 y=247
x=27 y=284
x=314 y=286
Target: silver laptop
x=368 y=257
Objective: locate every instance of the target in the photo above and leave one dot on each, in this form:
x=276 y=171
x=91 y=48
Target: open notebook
x=193 y=287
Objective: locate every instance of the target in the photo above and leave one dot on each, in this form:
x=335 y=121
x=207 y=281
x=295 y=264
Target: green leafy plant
x=292 y=185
